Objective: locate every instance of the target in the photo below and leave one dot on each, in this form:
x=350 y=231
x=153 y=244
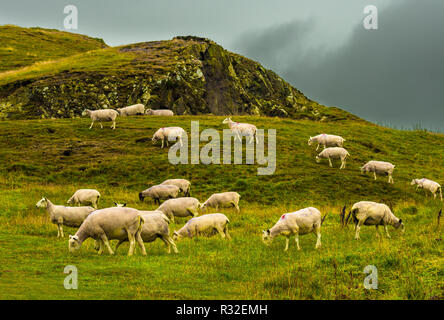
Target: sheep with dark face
x=430 y=185
x=160 y=192
x=380 y=168
x=101 y=116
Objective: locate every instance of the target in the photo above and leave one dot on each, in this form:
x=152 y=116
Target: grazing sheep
x=182 y=184
x=379 y=167
x=370 y=213
x=160 y=192
x=131 y=110
x=180 y=207
x=333 y=153
x=160 y=112
x=85 y=196
x=108 y=224
x=296 y=223
x=432 y=186
x=242 y=129
x=169 y=133
x=327 y=140
x=101 y=115
x=222 y=200
x=64 y=216
x=155 y=226
x=206 y=225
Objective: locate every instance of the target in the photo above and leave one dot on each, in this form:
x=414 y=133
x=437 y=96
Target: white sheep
x=64 y=216
x=242 y=129
x=101 y=115
x=160 y=112
x=180 y=207
x=326 y=140
x=432 y=186
x=371 y=213
x=169 y=133
x=295 y=224
x=183 y=184
x=380 y=168
x=222 y=200
x=133 y=110
x=108 y=224
x=85 y=196
x=333 y=153
x=206 y=225
x=160 y=192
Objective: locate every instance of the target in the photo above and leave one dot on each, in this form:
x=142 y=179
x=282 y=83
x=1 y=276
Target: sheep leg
x=257 y=140
x=114 y=125
x=331 y=164
x=173 y=244
x=287 y=240
x=318 y=237
x=391 y=179
x=386 y=231
x=162 y=144
x=167 y=243
x=317 y=148
x=140 y=242
x=357 y=228
x=251 y=139
x=92 y=123
x=296 y=238
x=132 y=241
x=236 y=206
x=101 y=125
x=106 y=243
x=59 y=230
x=221 y=232
x=378 y=234
x=226 y=233
x=374 y=174
x=100 y=250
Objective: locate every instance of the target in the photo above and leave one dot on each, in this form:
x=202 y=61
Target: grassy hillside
x=53 y=158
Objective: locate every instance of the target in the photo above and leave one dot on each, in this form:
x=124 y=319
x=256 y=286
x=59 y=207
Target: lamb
x=207 y=225
x=379 y=167
x=160 y=112
x=101 y=115
x=133 y=110
x=327 y=140
x=242 y=129
x=296 y=223
x=64 y=216
x=85 y=196
x=182 y=184
x=169 y=133
x=370 y=213
x=160 y=192
x=333 y=153
x=432 y=186
x=180 y=207
x=222 y=200
x=108 y=224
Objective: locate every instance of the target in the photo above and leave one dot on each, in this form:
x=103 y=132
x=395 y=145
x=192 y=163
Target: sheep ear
x=115 y=203
x=400 y=220
x=268 y=231
x=124 y=204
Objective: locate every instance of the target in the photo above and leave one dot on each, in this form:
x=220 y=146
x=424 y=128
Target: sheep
x=132 y=110
x=160 y=112
x=101 y=115
x=182 y=184
x=208 y=225
x=159 y=192
x=155 y=226
x=222 y=200
x=379 y=167
x=432 y=186
x=296 y=223
x=108 y=224
x=327 y=140
x=180 y=207
x=242 y=129
x=169 y=133
x=371 y=213
x=64 y=216
x=333 y=153
x=85 y=196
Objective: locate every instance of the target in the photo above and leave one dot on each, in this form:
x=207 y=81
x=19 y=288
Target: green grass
x=53 y=158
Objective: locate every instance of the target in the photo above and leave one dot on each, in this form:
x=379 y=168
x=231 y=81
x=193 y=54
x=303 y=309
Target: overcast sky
x=393 y=75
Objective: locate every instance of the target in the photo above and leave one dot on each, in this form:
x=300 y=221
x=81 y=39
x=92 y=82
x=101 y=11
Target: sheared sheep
x=160 y=192
x=326 y=140
x=333 y=153
x=379 y=167
x=101 y=115
x=133 y=110
x=371 y=213
x=182 y=184
x=206 y=225
x=242 y=129
x=222 y=200
x=64 y=216
x=160 y=112
x=85 y=196
x=169 y=133
x=108 y=224
x=296 y=223
x=432 y=186
x=180 y=207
